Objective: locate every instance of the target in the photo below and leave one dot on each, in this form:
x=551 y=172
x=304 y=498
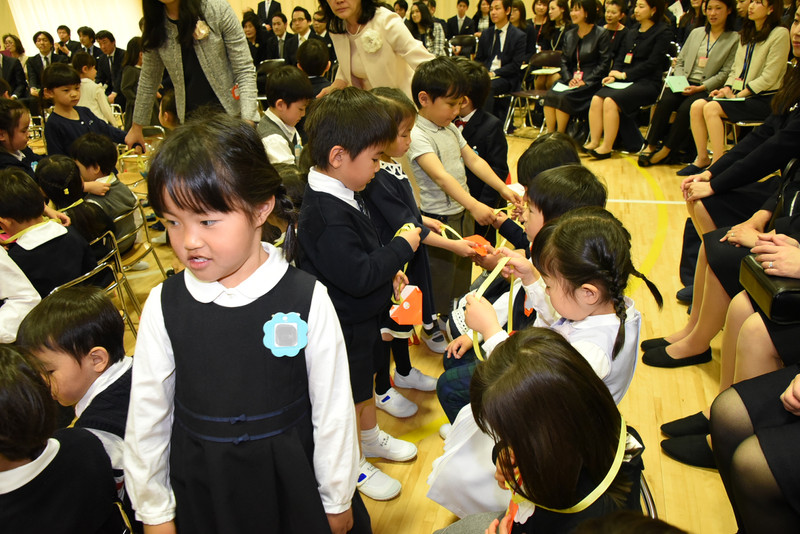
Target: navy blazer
x=511 y=57
x=484 y=133
x=35 y=68
x=467 y=27
x=12 y=73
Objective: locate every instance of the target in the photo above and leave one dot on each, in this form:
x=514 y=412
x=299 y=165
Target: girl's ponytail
x=286 y=211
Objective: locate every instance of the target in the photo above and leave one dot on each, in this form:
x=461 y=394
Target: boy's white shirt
x=40 y=235
x=278 y=151
x=322 y=183
x=151 y=412
x=19 y=297
x=94 y=97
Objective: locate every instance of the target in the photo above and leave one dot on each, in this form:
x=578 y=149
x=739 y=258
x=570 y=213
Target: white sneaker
x=415 y=380
x=444 y=430
x=389 y=448
x=376 y=484
x=435 y=341
x=395 y=404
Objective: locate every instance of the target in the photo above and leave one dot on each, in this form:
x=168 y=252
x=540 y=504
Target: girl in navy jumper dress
x=392 y=204
x=241 y=416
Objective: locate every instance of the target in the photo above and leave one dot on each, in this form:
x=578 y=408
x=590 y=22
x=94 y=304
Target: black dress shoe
x=690 y=170
x=690 y=450
x=596 y=155
x=685 y=294
x=696 y=424
x=658 y=357
x=644 y=160
x=653 y=343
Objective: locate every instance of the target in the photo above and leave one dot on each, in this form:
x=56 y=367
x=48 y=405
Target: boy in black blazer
x=502 y=52
x=484 y=134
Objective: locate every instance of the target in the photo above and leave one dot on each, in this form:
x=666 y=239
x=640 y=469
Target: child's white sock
x=371 y=435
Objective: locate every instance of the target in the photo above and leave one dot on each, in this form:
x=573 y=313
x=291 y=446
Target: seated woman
x=615 y=10
x=642 y=59
x=755 y=426
x=585 y=61
x=588 y=466
x=705 y=60
x=536 y=25
x=481 y=17
x=765 y=150
x=257 y=38
x=424 y=29
x=517 y=19
x=694 y=18
x=756 y=75
x=553 y=34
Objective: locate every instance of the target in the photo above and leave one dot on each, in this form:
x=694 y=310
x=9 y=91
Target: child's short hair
x=74 y=320
x=478 y=81
x=59 y=75
x=168 y=103
x=288 y=83
x=350 y=118
x=440 y=78
x=95 y=149
x=46 y=35
x=313 y=57
x=26 y=404
x=215 y=163
x=20 y=197
x=561 y=189
x=11 y=112
x=60 y=179
x=398 y=105
x=547 y=151
x=83 y=59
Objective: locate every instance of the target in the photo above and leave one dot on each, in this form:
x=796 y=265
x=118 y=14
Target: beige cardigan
x=768 y=64
x=394 y=63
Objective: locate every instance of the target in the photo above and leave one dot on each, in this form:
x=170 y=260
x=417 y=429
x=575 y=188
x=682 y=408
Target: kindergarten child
x=348 y=131
x=558 y=437
x=14 y=150
x=438 y=155
x=93 y=96
x=391 y=204
x=241 y=415
x=77 y=335
x=584 y=261
x=62 y=85
x=288 y=93
x=48 y=483
x=49 y=254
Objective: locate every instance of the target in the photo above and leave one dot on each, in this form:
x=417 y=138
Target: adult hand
x=499 y=218
x=341 y=523
x=778 y=260
x=698 y=190
x=776 y=239
x=608 y=79
x=692 y=89
x=134 y=135
x=481 y=317
x=434 y=225
x=512 y=197
x=742 y=235
x=702 y=177
x=791 y=397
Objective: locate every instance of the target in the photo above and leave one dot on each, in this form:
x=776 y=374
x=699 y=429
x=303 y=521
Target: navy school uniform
x=28 y=162
x=60 y=132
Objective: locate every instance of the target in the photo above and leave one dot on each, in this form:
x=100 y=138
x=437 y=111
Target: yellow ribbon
x=601 y=488
x=404 y=228
x=23 y=232
x=76 y=203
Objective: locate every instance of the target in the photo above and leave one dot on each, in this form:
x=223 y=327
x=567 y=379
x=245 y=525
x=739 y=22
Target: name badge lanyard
x=555 y=46
x=538 y=35
x=747 y=62
x=578 y=75
x=703 y=61
x=629 y=56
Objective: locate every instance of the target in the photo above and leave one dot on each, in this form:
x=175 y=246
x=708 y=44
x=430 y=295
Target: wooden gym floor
x=648 y=202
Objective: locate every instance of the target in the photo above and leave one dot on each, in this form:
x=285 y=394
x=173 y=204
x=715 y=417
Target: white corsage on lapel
x=201 y=30
x=371 y=41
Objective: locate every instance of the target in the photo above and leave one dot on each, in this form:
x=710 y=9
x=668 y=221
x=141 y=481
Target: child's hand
x=95 y=188
x=482 y=213
x=488 y=262
x=459 y=346
x=398 y=283
x=341 y=523
x=509 y=194
x=434 y=225
x=500 y=526
x=791 y=397
x=499 y=219
x=518 y=266
x=481 y=317
x=465 y=249
x=412 y=236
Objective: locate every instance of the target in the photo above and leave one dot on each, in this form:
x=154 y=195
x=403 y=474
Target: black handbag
x=777 y=296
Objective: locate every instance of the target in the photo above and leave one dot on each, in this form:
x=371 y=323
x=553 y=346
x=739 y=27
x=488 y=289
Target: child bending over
x=288 y=93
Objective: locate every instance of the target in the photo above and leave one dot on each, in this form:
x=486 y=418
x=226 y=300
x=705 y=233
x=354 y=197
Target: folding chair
x=528 y=94
x=648 y=504
x=139 y=250
x=468 y=45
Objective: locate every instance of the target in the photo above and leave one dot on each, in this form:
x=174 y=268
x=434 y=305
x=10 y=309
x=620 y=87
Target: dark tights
x=402 y=363
x=757 y=501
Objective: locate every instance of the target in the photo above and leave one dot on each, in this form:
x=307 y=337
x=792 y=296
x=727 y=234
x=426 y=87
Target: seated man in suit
x=320 y=24
x=109 y=67
x=301 y=24
x=11 y=71
x=287 y=42
x=87 y=38
x=503 y=53
x=36 y=64
x=65 y=46
x=460 y=24
x=266 y=10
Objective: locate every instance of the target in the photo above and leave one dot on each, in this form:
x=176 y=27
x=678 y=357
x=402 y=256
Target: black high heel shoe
x=596 y=155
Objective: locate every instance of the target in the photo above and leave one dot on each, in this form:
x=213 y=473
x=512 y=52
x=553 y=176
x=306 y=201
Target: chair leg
x=158 y=261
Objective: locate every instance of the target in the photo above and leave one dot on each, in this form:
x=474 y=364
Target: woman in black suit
x=585 y=61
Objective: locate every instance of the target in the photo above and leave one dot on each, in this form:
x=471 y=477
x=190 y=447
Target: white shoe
x=376 y=484
x=436 y=341
x=395 y=404
x=389 y=448
x=139 y=266
x=444 y=430
x=415 y=380
x=159 y=239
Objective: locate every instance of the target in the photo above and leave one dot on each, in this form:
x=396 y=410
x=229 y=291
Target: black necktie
x=362 y=206
x=496 y=44
x=46 y=61
x=111 y=63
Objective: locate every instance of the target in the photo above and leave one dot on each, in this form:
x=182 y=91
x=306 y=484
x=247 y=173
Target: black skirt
x=574 y=101
x=641 y=93
x=783 y=336
x=754 y=108
x=724 y=260
x=732 y=207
